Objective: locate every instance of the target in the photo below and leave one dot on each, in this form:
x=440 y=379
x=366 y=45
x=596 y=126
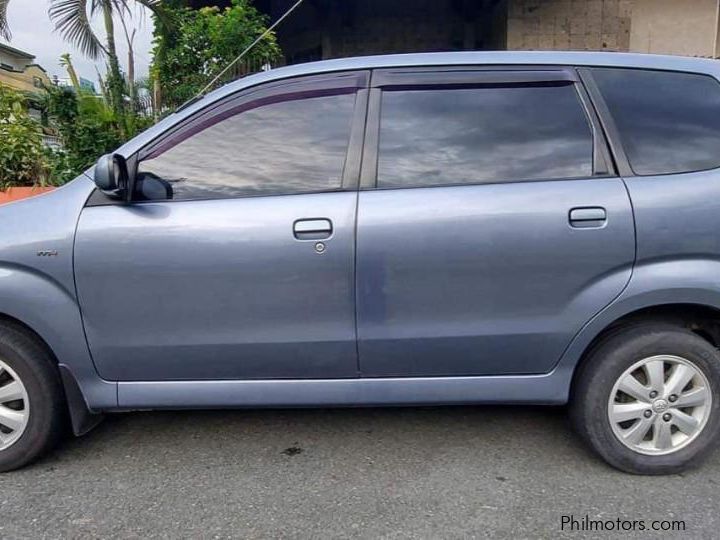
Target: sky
x=33 y=32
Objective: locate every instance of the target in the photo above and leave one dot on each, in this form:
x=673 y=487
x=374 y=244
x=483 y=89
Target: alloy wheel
x=14 y=406
x=659 y=405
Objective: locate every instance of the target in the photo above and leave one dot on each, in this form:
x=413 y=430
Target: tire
x=672 y=353
x=25 y=358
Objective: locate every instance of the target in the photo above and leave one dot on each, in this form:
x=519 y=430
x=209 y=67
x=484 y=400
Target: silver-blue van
x=426 y=229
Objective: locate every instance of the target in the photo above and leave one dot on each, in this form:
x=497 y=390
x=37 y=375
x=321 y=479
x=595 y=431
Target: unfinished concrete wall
x=378 y=26
x=340 y=28
x=687 y=27
x=569 y=24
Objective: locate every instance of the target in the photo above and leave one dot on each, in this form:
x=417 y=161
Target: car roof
x=473 y=58
x=464 y=58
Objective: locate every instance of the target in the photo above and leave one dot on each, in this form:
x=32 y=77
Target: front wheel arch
x=81 y=417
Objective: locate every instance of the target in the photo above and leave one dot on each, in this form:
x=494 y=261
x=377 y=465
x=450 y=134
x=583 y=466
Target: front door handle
x=312 y=229
x=588 y=217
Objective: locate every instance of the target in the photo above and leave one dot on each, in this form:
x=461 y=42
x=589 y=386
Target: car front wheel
x=32 y=403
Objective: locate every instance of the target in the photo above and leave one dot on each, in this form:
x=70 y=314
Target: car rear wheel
x=646 y=398
x=32 y=403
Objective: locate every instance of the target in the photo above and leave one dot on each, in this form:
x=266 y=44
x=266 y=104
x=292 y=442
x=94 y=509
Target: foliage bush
x=87 y=129
x=85 y=123
x=203 y=42
x=23 y=160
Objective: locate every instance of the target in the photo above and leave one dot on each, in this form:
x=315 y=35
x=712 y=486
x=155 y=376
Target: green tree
x=22 y=155
x=4 y=28
x=87 y=129
x=202 y=42
x=72 y=19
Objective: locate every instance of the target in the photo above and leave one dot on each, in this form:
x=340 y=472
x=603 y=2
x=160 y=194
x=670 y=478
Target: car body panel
x=678 y=218
x=218 y=289
x=673 y=266
x=678 y=251
x=36 y=279
x=485 y=279
x=540 y=389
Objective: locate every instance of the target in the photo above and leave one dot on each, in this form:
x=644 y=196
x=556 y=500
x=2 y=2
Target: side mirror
x=111 y=175
x=150 y=187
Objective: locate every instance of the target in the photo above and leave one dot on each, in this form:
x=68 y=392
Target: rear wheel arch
x=640 y=447
x=702 y=319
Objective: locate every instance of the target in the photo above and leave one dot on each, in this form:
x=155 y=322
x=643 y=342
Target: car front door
x=491 y=227
x=244 y=269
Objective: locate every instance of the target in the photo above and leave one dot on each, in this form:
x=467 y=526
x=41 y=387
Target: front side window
x=483 y=135
x=285 y=147
x=669 y=122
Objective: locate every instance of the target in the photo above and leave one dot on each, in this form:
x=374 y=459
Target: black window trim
x=461 y=76
x=333 y=83
x=470 y=77
x=603 y=163
x=610 y=129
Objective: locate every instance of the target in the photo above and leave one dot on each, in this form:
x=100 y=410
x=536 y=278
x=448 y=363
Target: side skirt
x=551 y=388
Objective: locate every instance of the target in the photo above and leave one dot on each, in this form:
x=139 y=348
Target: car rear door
x=246 y=269
x=491 y=224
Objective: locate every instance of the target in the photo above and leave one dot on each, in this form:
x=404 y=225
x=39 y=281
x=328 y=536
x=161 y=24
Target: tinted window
x=287 y=147
x=456 y=136
x=668 y=122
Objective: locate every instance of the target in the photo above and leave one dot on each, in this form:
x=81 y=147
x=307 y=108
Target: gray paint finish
x=152 y=249
x=341 y=393
x=485 y=280
x=678 y=218
x=40 y=291
x=218 y=289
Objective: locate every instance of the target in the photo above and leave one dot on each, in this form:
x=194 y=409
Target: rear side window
x=291 y=146
x=482 y=135
x=669 y=122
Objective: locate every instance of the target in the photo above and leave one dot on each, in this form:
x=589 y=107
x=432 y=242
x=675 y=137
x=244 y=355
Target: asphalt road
x=354 y=473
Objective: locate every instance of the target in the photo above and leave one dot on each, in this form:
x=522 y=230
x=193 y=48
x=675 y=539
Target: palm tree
x=4 y=28
x=72 y=20
x=66 y=62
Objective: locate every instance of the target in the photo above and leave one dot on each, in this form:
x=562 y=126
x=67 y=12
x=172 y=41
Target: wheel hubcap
x=659 y=405
x=14 y=406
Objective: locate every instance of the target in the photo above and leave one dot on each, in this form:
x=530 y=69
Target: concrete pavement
x=505 y=472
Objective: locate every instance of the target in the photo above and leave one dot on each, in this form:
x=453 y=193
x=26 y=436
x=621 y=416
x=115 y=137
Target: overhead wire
x=247 y=50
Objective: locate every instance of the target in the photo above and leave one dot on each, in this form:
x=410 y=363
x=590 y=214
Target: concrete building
x=336 y=28
x=18 y=70
x=684 y=27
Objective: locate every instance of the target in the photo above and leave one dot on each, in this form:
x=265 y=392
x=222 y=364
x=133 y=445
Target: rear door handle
x=312 y=229
x=588 y=217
